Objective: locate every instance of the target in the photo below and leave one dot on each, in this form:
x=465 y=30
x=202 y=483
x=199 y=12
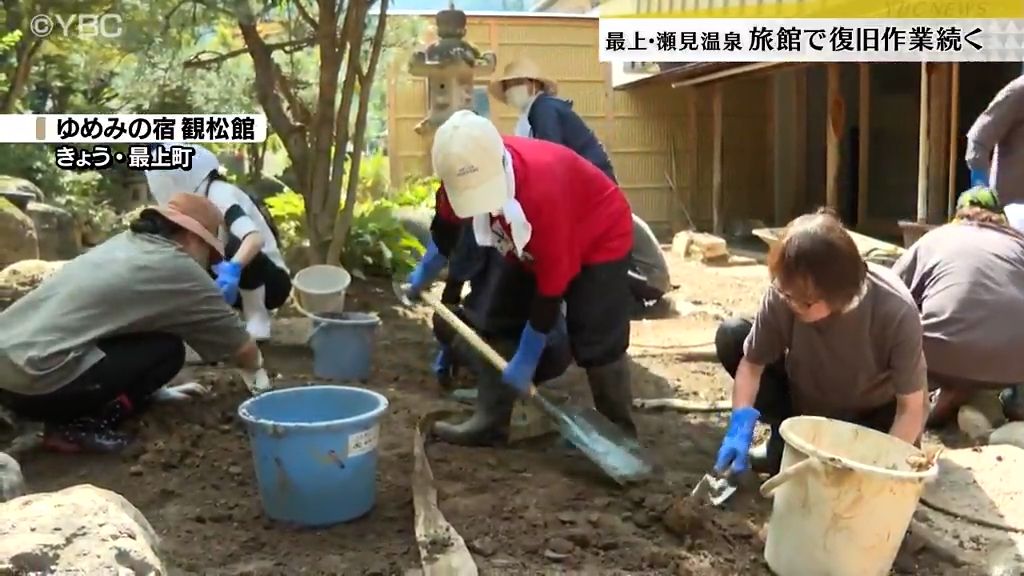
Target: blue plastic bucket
x=315 y=452
x=343 y=345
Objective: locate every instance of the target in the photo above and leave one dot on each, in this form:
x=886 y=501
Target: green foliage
x=289 y=212
x=417 y=192
x=83 y=196
x=374 y=176
x=378 y=243
x=32 y=162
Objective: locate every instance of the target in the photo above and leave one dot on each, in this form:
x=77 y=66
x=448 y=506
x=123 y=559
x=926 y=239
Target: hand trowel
x=716 y=488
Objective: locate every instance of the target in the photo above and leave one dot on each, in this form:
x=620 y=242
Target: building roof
x=676 y=71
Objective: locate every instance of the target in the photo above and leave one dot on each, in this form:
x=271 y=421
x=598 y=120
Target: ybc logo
x=78 y=25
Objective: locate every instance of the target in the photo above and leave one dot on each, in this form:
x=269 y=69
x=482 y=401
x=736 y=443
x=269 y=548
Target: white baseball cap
x=468 y=157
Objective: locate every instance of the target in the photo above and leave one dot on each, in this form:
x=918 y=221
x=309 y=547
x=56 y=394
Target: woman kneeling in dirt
x=104 y=334
x=966 y=278
x=497 y=308
x=835 y=336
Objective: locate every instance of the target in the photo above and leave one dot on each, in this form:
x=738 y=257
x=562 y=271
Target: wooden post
x=834 y=125
x=864 y=144
x=940 y=75
x=800 y=145
x=954 y=137
x=922 y=148
x=717 y=122
x=693 y=152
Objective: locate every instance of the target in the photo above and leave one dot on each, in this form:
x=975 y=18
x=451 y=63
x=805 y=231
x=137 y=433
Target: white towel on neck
x=513 y=213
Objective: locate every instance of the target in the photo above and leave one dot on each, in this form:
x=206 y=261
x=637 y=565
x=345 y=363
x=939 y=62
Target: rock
x=580 y=537
x=82 y=529
x=658 y=503
x=22 y=277
x=12 y=482
x=560 y=546
x=980 y=416
x=642 y=520
x=56 y=230
x=483 y=547
x=703 y=246
x=19 y=187
x=18 y=240
x=416 y=221
x=1012 y=434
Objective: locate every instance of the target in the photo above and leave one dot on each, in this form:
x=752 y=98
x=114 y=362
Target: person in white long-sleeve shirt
x=254 y=275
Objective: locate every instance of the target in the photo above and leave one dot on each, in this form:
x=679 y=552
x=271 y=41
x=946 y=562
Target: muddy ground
x=529 y=509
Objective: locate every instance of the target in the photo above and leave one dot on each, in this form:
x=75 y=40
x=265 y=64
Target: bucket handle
x=811 y=464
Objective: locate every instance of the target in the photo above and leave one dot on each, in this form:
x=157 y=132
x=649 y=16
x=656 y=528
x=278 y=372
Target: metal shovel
x=717 y=489
x=617 y=454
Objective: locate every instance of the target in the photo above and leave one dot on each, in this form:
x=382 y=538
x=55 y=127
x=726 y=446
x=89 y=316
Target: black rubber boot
x=613 y=393
x=767 y=457
x=1012 y=399
x=489 y=424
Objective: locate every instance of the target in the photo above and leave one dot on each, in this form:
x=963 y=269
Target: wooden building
x=724 y=144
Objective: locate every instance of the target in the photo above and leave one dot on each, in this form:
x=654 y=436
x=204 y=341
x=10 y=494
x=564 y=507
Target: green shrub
x=378 y=244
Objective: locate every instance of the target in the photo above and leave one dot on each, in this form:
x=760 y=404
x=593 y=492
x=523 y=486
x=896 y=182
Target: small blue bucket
x=315 y=452
x=343 y=345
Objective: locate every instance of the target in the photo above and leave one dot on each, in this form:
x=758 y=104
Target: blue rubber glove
x=738 y=437
x=978 y=178
x=443 y=364
x=519 y=372
x=426 y=271
x=229 y=274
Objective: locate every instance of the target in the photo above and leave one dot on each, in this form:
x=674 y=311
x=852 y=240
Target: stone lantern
x=449 y=65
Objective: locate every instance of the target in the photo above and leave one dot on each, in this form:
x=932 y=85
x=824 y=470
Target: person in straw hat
x=548 y=209
x=103 y=336
x=547 y=117
x=544 y=116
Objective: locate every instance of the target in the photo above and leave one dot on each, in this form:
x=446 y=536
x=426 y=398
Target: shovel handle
x=469 y=335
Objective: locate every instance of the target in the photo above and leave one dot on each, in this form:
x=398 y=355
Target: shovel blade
x=618 y=454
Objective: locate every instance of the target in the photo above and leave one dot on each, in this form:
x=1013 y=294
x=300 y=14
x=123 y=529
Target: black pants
x=599 y=306
x=553 y=362
x=261 y=272
x=135 y=366
x=774 y=401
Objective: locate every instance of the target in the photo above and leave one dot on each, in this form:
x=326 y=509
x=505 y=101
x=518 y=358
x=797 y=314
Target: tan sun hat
x=197 y=215
x=520 y=69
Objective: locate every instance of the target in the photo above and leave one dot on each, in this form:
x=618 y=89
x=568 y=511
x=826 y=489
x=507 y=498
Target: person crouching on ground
x=254 y=275
x=834 y=336
x=497 y=308
x=552 y=211
x=966 y=279
x=95 y=341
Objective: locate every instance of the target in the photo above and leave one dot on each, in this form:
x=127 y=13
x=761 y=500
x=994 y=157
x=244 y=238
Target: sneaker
x=80 y=437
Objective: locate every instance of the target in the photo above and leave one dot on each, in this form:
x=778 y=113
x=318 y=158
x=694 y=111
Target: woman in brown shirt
x=835 y=336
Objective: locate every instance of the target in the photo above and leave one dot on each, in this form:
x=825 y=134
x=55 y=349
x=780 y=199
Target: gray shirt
x=132 y=283
x=967 y=281
x=998 y=134
x=848 y=363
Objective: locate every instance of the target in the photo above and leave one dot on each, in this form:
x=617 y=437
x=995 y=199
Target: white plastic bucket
x=843 y=500
x=321 y=289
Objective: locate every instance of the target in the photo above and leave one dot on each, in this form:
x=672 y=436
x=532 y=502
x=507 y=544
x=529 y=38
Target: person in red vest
x=543 y=205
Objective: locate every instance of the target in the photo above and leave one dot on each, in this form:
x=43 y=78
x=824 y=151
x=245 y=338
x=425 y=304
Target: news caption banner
x=96 y=141
x=813 y=31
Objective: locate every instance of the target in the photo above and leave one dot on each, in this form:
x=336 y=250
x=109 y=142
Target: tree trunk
x=343 y=222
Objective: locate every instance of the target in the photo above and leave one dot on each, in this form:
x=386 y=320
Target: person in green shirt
x=98 y=339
